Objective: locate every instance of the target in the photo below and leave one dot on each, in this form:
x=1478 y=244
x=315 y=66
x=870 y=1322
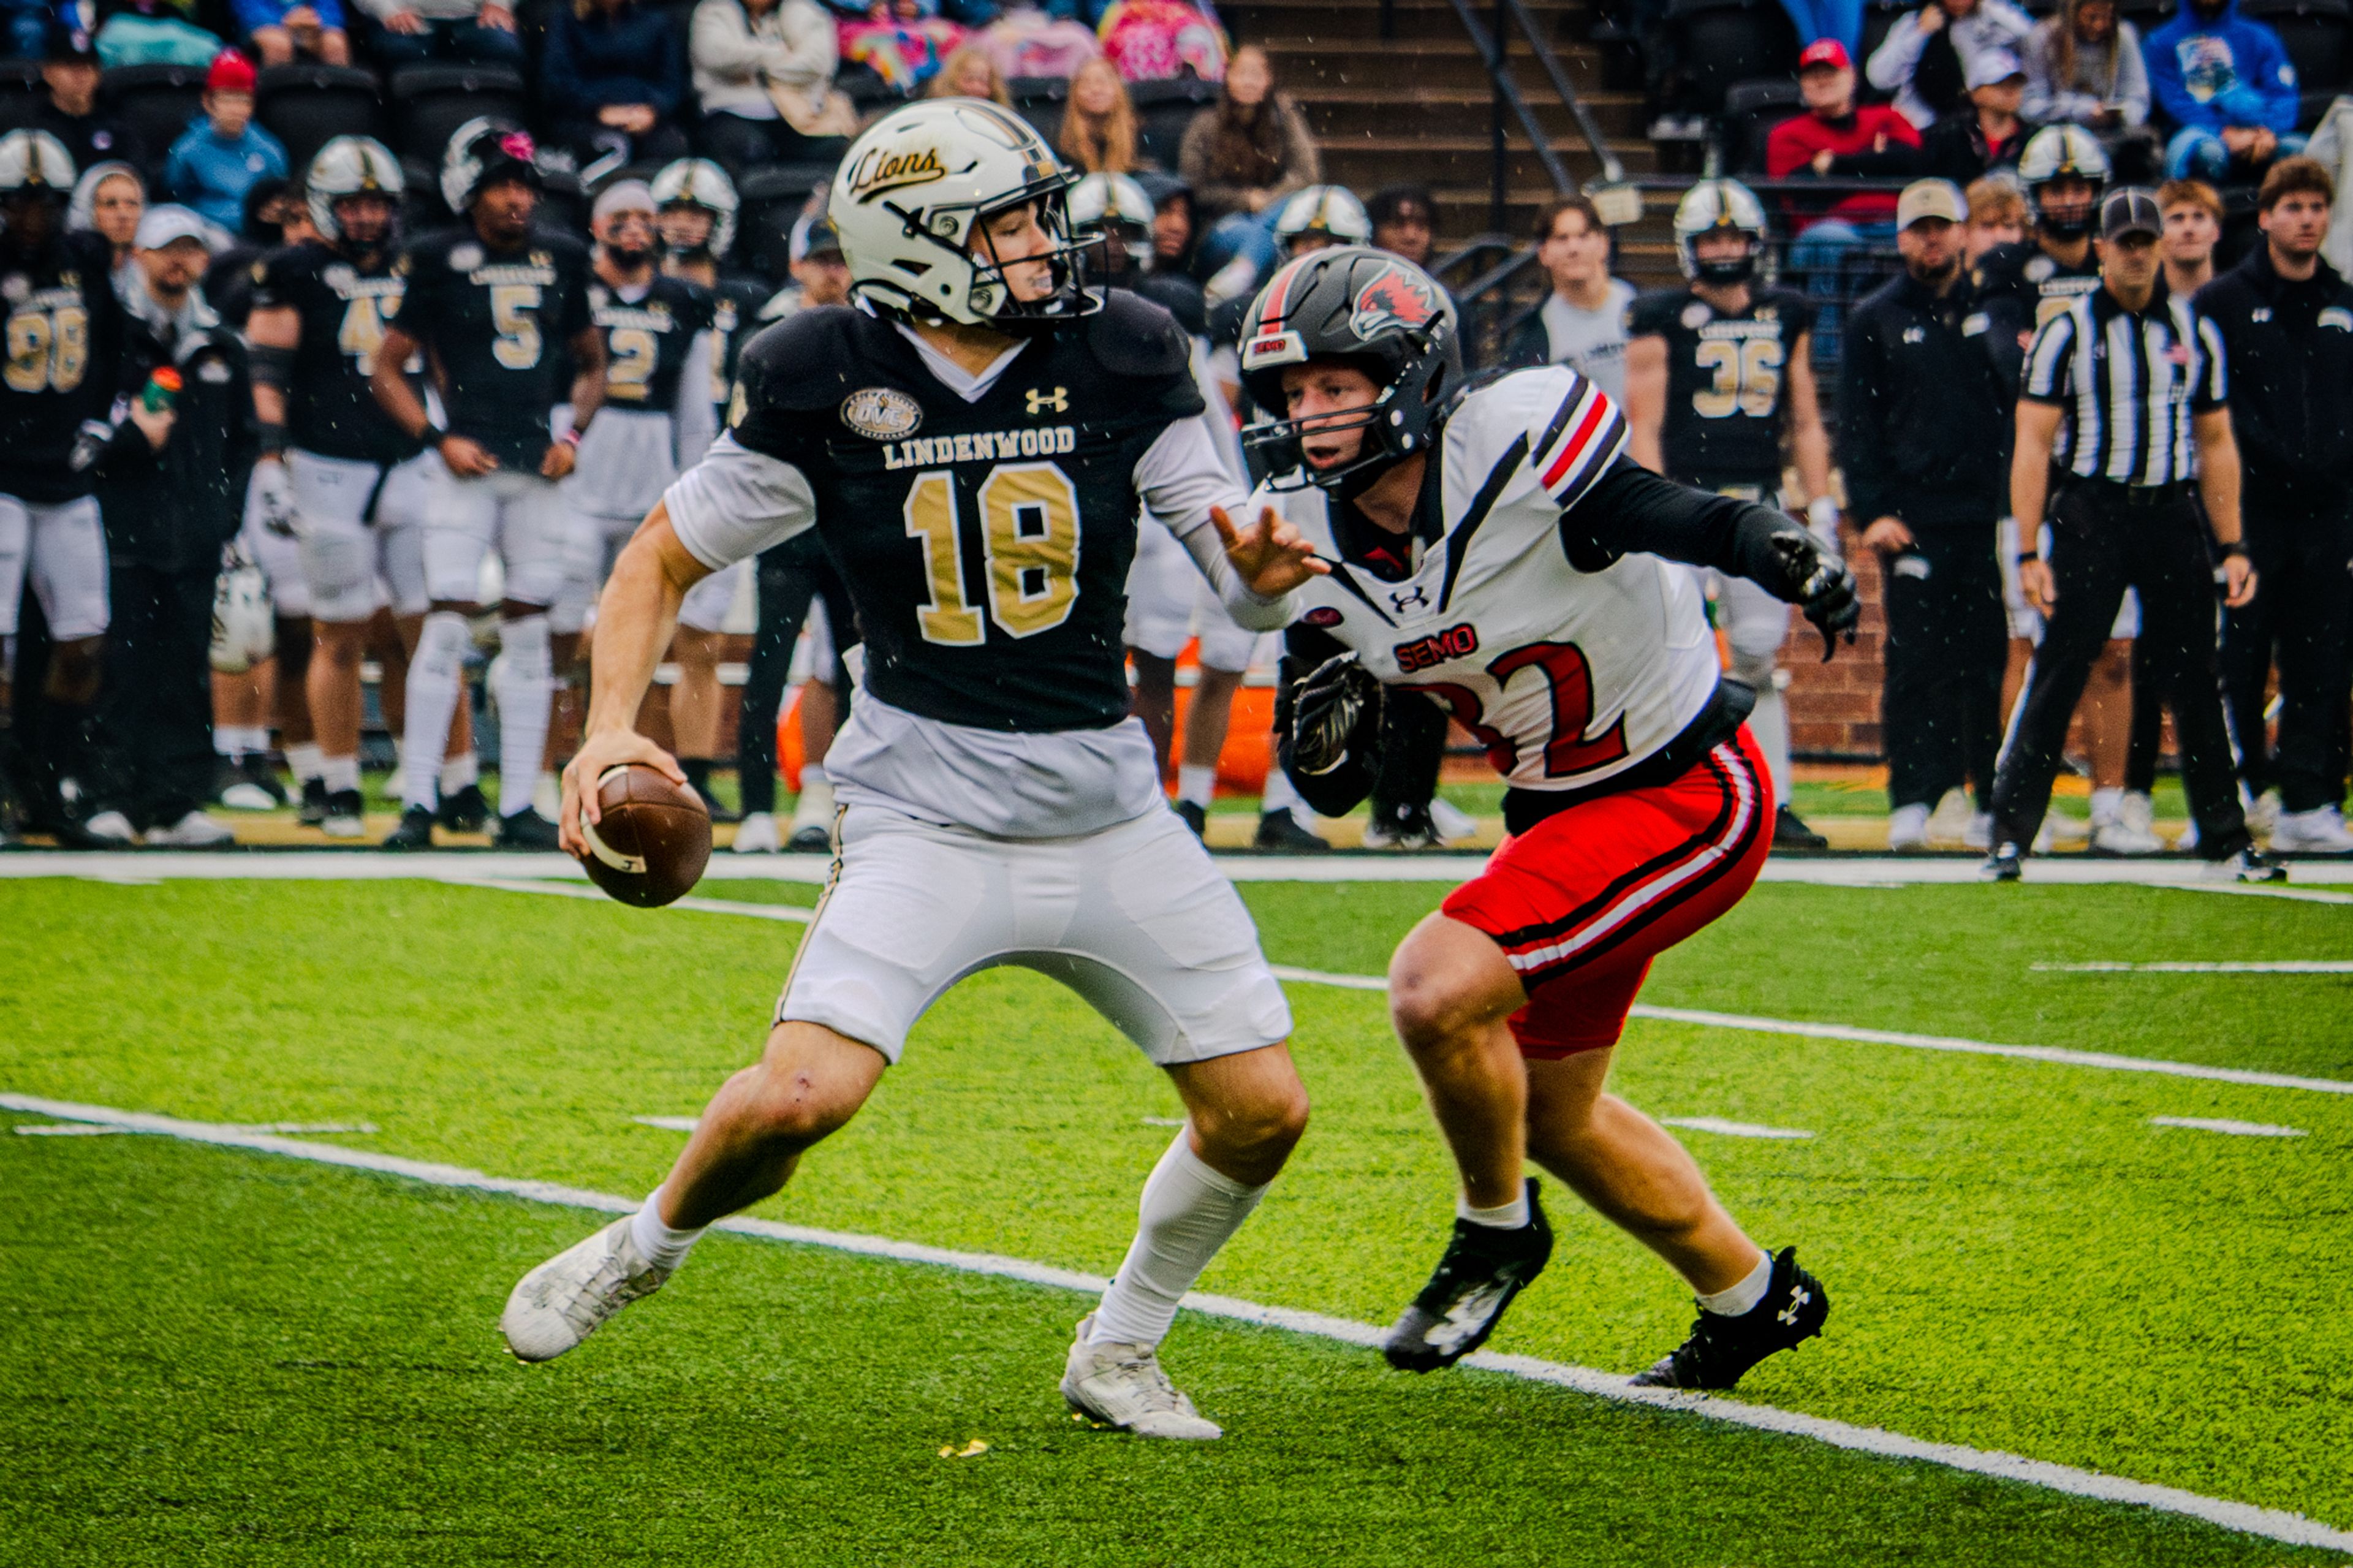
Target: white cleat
x=2121 y=838
x=245 y=795
x=812 y=830
x=568 y=1298
x=1122 y=1386
x=1949 y=823
x=194 y=831
x=756 y=834
x=112 y=826
x=1907 y=829
x=1979 y=834
x=2263 y=816
x=1454 y=825
x=2058 y=829
x=2320 y=831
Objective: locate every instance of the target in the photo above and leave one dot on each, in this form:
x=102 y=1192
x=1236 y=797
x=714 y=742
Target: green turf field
x=218 y=1356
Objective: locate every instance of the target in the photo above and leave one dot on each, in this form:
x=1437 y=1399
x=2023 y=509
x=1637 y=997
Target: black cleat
x=346 y=815
x=1194 y=818
x=1484 y=1268
x=1280 y=831
x=2246 y=866
x=1790 y=832
x=2004 y=865
x=466 y=811
x=415 y=832
x=524 y=829
x=315 y=803
x=1722 y=1348
x=256 y=770
x=1401 y=827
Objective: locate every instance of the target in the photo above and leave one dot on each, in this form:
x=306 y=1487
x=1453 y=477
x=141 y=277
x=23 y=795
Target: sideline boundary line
x=2276 y=1524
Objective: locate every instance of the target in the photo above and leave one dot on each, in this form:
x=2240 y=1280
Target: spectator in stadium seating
x=2083 y=67
x=2230 y=86
x=747 y=54
x=278 y=30
x=1098 y=134
x=613 y=74
x=1162 y=40
x=154 y=33
x=1173 y=229
x=1996 y=216
x=968 y=72
x=2332 y=148
x=1923 y=58
x=70 y=71
x=411 y=32
x=1582 y=322
x=275 y=216
x=171 y=487
x=1405 y=221
x=1838 y=138
x=1988 y=135
x=109 y=200
x=1243 y=156
x=905 y=42
x=220 y=157
x=1035 y=40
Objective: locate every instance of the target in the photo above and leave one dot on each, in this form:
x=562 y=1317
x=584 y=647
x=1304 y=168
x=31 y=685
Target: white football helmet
x=1716 y=207
x=480 y=148
x=35 y=160
x=1331 y=210
x=1110 y=198
x=700 y=183
x=2060 y=151
x=350 y=166
x=913 y=194
x=245 y=624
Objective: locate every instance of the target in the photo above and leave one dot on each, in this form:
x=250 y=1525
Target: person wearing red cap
x=217 y=159
x=1837 y=138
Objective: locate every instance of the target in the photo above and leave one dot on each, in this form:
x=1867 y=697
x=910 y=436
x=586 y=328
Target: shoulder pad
x=1132 y=336
x=809 y=360
x=1653 y=311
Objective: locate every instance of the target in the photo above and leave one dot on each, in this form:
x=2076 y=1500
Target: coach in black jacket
x=1925 y=419
x=171 y=487
x=2287 y=320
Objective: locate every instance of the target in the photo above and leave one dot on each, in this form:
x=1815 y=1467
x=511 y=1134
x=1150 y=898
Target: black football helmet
x=1380 y=312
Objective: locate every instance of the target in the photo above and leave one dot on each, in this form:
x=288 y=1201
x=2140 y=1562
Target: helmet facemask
x=1394 y=423
x=1721 y=271
x=2072 y=219
x=960 y=235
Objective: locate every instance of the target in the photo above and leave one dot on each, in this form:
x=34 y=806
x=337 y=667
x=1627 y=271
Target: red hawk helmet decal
x=1394 y=297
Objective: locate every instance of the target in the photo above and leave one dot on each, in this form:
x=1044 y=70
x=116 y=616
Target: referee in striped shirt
x=2122 y=409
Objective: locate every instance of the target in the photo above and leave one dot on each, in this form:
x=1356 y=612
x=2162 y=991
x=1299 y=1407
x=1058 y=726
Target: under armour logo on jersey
x=1058 y=400
x=1415 y=599
x=1799 y=1297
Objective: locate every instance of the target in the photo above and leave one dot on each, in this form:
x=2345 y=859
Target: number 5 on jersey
x=1030 y=538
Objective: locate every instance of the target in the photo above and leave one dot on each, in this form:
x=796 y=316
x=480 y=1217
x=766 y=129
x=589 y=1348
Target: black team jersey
x=496 y=325
x=644 y=341
x=735 y=304
x=2021 y=287
x=344 y=309
x=986 y=545
x=64 y=347
x=1725 y=380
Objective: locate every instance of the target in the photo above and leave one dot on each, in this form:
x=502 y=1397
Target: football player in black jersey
x=500 y=307
x=696 y=206
x=657 y=418
x=976 y=452
x=357 y=486
x=65 y=335
x=1718 y=374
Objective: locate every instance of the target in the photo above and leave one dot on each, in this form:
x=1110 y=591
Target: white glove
x=1823 y=522
x=273 y=500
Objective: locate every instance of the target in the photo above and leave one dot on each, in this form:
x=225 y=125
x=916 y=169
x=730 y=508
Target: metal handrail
x=1507 y=94
x=1612 y=170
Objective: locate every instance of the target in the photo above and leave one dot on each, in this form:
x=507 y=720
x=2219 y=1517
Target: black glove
x=1325 y=711
x=1820 y=584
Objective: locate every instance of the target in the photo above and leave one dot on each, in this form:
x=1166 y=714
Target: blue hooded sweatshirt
x=2208 y=75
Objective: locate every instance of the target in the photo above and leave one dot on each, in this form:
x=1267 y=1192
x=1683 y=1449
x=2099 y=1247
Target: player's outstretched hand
x=1821 y=586
x=1329 y=705
x=605 y=749
x=1272 y=558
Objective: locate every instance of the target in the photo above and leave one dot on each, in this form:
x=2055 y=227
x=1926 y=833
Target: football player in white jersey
x=975 y=449
x=1491 y=548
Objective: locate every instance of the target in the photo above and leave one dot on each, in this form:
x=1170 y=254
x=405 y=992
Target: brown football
x=654 y=840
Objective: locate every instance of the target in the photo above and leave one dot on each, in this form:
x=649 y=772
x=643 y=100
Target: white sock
x=1197 y=783
x=433 y=673
x=524 y=686
x=241 y=739
x=1502 y=1216
x=813 y=777
x=1279 y=796
x=2107 y=806
x=1769 y=722
x=224 y=739
x=656 y=1242
x=458 y=771
x=1735 y=1300
x=305 y=762
x=1186 y=1213
x=339 y=773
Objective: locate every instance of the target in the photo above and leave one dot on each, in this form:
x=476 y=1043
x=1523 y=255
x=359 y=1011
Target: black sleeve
x=1630 y=508
x=1413 y=749
x=1863 y=446
x=1336 y=793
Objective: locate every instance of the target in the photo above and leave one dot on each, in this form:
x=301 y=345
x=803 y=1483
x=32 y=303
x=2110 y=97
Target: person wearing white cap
x=1986 y=134
x=657 y=418
x=1924 y=408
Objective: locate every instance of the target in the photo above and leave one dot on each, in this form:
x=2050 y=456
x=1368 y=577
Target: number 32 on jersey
x=1029 y=541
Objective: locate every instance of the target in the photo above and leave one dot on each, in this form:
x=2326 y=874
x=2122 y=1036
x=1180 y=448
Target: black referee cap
x=2131 y=209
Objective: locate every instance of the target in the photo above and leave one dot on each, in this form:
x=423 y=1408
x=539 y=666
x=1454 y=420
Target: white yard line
x=2245 y=1517
x=2252 y=966
x=2297 y=895
x=2224 y=1124
x=1732 y=1129
x=669 y=1123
